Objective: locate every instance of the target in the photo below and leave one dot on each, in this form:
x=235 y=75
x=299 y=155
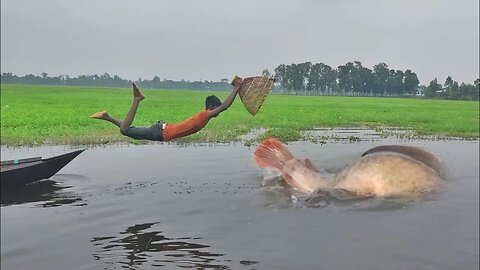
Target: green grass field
x=32 y=115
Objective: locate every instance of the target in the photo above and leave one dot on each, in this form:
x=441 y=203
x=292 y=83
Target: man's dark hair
x=212 y=101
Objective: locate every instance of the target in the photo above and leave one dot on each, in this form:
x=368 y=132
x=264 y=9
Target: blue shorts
x=151 y=133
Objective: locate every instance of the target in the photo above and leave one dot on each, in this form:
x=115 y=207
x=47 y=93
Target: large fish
x=383 y=171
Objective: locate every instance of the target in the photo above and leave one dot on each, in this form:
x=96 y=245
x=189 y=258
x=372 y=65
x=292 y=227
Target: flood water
x=165 y=206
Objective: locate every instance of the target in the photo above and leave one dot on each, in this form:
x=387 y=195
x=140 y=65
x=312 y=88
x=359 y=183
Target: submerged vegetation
x=33 y=115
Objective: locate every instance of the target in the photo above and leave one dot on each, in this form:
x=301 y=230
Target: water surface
x=165 y=206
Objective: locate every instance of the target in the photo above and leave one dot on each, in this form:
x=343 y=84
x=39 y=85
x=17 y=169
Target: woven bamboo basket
x=254 y=91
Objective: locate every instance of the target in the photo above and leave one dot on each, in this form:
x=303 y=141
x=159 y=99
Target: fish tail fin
x=272 y=153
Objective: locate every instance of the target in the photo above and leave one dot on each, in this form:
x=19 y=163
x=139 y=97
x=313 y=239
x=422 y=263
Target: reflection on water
x=139 y=245
x=46 y=193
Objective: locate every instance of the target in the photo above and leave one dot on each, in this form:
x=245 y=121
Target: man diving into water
x=160 y=131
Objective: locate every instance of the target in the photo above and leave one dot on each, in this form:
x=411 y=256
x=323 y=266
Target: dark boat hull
x=21 y=172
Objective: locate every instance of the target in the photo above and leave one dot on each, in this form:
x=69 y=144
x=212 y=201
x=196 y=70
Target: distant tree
x=314 y=77
x=365 y=78
x=433 y=88
x=450 y=89
x=9 y=78
x=469 y=92
x=329 y=77
x=454 y=91
x=296 y=75
x=280 y=72
x=410 y=82
x=448 y=82
x=380 y=78
x=155 y=83
x=353 y=77
x=265 y=72
x=345 y=77
x=395 y=82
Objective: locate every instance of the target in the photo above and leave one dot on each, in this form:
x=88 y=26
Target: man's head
x=212 y=102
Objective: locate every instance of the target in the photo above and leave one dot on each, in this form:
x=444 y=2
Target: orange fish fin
x=272 y=153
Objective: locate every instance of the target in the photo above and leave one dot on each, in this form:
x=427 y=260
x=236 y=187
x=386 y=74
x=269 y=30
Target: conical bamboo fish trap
x=254 y=91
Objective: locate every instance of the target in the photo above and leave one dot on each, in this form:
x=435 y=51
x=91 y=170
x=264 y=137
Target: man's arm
x=229 y=100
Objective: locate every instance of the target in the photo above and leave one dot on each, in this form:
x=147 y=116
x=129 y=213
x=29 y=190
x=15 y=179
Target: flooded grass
x=38 y=115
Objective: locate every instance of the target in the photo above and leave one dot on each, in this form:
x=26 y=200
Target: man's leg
x=127 y=122
x=105 y=116
x=137 y=97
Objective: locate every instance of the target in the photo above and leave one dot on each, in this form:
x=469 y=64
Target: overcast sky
x=215 y=39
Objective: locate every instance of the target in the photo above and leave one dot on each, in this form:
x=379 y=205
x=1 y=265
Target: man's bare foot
x=137 y=94
x=100 y=115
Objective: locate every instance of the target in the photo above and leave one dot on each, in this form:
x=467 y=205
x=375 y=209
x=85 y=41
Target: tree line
x=355 y=79
x=106 y=80
x=305 y=78
x=452 y=90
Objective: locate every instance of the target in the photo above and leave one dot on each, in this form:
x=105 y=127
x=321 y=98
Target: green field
x=33 y=115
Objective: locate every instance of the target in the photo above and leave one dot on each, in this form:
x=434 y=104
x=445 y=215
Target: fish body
x=382 y=171
x=387 y=175
x=304 y=179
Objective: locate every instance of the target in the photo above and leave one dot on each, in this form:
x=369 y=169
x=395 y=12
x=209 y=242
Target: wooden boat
x=19 y=172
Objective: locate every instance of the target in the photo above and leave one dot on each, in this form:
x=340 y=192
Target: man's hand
x=237 y=82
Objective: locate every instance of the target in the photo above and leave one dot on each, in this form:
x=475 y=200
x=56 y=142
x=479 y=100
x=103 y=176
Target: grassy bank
x=58 y=115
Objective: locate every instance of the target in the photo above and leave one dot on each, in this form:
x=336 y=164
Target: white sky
x=215 y=39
